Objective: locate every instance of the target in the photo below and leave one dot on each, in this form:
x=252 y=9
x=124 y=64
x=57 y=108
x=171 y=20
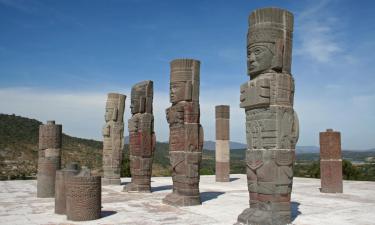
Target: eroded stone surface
x=113 y=138
x=186 y=133
x=141 y=137
x=271 y=123
x=222 y=167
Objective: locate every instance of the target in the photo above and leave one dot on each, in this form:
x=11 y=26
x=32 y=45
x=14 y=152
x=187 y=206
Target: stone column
x=271 y=123
x=222 y=154
x=60 y=186
x=49 y=159
x=186 y=133
x=113 y=138
x=330 y=162
x=83 y=197
x=141 y=137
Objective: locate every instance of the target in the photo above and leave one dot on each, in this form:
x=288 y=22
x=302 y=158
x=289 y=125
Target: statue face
x=134 y=105
x=259 y=59
x=108 y=114
x=177 y=92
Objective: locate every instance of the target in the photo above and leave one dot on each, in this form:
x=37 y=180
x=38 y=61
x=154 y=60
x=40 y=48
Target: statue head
x=184 y=83
x=115 y=106
x=269 y=41
x=141 y=97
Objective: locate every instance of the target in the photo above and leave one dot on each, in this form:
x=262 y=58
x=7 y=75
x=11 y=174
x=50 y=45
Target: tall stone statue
x=113 y=138
x=271 y=123
x=141 y=137
x=49 y=159
x=186 y=133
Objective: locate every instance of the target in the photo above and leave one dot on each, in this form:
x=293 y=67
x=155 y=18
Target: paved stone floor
x=222 y=202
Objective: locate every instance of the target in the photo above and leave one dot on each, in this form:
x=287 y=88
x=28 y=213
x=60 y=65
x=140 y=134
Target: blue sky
x=58 y=59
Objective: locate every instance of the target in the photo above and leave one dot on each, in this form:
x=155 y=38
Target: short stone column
x=330 y=162
x=49 y=159
x=222 y=143
x=60 y=186
x=83 y=197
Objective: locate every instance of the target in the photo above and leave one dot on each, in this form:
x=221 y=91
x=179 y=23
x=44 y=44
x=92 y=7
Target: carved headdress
x=117 y=103
x=141 y=97
x=186 y=71
x=273 y=28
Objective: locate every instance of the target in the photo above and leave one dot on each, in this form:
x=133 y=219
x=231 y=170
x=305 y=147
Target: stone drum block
x=60 y=186
x=83 y=197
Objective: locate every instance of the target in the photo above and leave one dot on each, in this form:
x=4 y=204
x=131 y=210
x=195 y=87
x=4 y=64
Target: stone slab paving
x=222 y=203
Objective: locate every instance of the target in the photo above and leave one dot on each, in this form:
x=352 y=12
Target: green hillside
x=19 y=152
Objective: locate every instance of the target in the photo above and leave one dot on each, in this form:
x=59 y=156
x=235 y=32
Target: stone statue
x=113 y=135
x=186 y=133
x=141 y=137
x=49 y=159
x=271 y=123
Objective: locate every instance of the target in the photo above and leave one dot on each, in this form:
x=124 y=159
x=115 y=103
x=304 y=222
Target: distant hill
x=210 y=145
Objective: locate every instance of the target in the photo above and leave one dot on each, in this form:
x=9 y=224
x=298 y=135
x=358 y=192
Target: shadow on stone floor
x=295 y=210
x=209 y=195
x=124 y=183
x=233 y=179
x=161 y=188
x=106 y=213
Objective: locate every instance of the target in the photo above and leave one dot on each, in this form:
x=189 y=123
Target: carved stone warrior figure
x=49 y=159
x=113 y=135
x=271 y=123
x=186 y=133
x=141 y=137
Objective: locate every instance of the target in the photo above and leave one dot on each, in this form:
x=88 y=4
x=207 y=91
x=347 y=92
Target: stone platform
x=222 y=202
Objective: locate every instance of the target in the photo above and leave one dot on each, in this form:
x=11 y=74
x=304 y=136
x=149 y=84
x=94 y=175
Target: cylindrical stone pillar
x=222 y=143
x=49 y=158
x=330 y=162
x=60 y=186
x=83 y=198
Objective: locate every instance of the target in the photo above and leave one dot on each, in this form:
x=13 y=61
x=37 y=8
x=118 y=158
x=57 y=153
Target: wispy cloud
x=316 y=31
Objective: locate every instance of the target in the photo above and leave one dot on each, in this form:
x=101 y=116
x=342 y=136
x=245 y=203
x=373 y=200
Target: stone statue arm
x=106 y=130
x=255 y=93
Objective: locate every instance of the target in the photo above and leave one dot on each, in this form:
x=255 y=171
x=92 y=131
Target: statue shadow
x=233 y=179
x=295 y=210
x=161 y=188
x=209 y=195
x=106 y=213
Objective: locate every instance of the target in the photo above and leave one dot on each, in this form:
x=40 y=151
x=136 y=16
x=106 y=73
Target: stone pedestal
x=330 y=162
x=49 y=158
x=141 y=137
x=186 y=133
x=113 y=139
x=222 y=148
x=60 y=186
x=83 y=198
x=271 y=123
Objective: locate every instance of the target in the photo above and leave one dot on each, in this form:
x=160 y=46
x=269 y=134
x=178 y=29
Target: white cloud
x=317 y=33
